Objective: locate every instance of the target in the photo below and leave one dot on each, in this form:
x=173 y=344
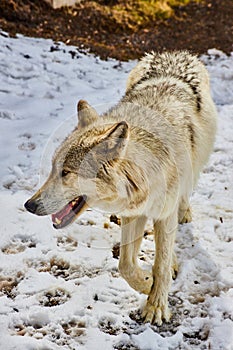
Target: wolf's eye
x=64 y=173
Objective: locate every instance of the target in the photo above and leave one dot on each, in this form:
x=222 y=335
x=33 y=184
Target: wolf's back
x=180 y=65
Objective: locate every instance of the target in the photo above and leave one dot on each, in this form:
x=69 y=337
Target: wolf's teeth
x=57 y=221
x=73 y=203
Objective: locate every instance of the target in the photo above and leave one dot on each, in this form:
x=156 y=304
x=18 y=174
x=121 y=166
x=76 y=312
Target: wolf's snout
x=35 y=206
x=31 y=206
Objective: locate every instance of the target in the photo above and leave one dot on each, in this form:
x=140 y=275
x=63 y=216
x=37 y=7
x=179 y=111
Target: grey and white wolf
x=140 y=160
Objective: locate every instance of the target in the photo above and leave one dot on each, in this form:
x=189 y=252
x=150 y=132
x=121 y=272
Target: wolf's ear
x=115 y=139
x=86 y=114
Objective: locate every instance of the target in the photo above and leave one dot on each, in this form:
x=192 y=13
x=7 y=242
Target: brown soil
x=196 y=27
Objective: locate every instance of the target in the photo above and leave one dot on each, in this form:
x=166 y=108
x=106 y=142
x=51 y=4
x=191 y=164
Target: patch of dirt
x=116 y=250
x=197 y=26
x=115 y=219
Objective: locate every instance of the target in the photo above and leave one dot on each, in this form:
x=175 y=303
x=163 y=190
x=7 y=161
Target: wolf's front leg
x=131 y=237
x=156 y=308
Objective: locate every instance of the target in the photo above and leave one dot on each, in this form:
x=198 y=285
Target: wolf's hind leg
x=184 y=213
x=131 y=237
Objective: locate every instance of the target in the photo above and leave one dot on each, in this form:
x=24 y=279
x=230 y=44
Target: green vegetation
x=138 y=13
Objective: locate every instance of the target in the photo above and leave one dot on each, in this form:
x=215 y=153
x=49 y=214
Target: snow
x=61 y=289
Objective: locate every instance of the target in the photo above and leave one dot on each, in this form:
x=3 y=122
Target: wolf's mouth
x=69 y=212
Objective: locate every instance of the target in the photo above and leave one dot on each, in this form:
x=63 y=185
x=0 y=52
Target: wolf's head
x=86 y=171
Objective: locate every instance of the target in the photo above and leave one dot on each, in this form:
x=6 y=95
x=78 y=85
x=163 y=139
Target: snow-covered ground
x=61 y=289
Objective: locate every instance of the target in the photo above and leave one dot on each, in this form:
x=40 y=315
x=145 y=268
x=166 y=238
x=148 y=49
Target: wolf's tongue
x=68 y=213
x=62 y=213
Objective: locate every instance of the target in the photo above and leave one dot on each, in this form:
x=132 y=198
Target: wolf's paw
x=185 y=216
x=156 y=313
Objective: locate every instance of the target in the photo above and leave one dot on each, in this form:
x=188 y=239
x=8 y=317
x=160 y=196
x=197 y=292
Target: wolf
x=141 y=159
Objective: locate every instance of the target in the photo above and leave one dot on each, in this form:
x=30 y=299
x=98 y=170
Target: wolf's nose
x=31 y=206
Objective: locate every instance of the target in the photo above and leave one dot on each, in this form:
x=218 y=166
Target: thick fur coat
x=140 y=160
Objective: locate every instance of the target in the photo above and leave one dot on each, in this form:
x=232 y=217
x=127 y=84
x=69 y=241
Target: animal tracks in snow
x=8 y=284
x=61 y=268
x=66 y=334
x=54 y=297
x=18 y=245
x=27 y=146
x=67 y=243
